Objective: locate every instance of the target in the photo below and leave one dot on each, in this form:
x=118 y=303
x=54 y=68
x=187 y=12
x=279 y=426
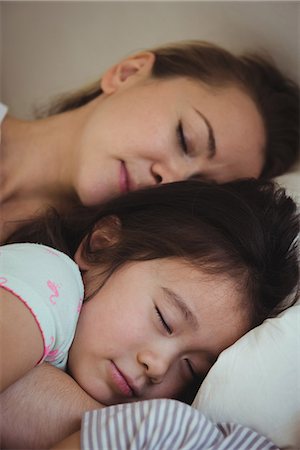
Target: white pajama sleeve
x=49 y=284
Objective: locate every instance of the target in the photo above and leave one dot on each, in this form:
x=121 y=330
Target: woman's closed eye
x=181 y=138
x=163 y=322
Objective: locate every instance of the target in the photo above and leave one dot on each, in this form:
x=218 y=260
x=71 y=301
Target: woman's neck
x=36 y=165
x=33 y=155
x=41 y=157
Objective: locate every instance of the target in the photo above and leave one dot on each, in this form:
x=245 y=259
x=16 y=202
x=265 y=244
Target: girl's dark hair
x=246 y=230
x=275 y=95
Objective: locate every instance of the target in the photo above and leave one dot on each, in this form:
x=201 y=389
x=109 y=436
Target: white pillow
x=256 y=382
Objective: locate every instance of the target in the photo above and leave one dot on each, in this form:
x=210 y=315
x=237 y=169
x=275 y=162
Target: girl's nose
x=155 y=365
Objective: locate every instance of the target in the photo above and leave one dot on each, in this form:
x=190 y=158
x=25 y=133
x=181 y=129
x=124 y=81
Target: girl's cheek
x=175 y=388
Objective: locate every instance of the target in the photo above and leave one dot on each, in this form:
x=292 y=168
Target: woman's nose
x=168 y=172
x=155 y=365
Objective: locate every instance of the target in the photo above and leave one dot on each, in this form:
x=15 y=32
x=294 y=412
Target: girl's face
x=142 y=131
x=153 y=328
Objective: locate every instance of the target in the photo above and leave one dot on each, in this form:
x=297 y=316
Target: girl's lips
x=124 y=179
x=120 y=382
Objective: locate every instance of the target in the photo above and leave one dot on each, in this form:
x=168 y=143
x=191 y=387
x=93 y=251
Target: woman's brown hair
x=274 y=94
x=245 y=230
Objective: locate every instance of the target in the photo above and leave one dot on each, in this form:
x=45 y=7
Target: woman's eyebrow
x=211 y=135
x=177 y=301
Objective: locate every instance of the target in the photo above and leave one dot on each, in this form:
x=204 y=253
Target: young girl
x=177 y=111
x=172 y=276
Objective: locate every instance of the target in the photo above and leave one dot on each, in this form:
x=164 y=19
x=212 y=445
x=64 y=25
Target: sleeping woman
x=186 y=110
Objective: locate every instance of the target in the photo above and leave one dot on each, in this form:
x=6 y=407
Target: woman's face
x=142 y=131
x=154 y=328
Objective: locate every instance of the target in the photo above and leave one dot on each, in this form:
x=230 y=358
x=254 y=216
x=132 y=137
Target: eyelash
x=170 y=331
x=181 y=138
x=190 y=367
x=163 y=322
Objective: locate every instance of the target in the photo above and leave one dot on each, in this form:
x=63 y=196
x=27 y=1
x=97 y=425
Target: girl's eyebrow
x=211 y=135
x=177 y=301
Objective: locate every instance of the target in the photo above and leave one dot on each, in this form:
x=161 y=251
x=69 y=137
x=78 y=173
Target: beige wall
x=51 y=47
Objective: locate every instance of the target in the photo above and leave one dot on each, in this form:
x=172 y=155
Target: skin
x=152 y=358
x=127 y=139
x=165 y=330
x=56 y=404
x=147 y=140
x=72 y=443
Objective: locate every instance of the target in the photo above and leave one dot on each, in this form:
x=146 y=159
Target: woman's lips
x=120 y=382
x=124 y=179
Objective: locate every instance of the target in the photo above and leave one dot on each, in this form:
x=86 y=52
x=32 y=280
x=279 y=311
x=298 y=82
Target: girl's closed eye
x=181 y=138
x=163 y=322
x=191 y=369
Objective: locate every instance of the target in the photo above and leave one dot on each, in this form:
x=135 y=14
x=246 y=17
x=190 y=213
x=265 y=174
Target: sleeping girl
x=137 y=298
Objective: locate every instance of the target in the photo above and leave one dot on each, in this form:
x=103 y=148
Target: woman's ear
x=131 y=68
x=106 y=233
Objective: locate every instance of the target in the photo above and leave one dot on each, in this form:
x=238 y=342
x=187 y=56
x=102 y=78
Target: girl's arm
x=21 y=345
x=41 y=409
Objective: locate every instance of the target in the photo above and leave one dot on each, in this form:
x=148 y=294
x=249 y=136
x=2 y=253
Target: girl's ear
x=131 y=68
x=105 y=234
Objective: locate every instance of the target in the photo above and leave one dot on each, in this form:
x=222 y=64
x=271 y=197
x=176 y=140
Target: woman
x=185 y=110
